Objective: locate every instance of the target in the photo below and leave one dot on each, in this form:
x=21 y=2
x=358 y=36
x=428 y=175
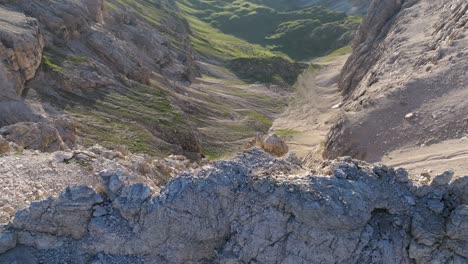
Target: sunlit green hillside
x=301 y=34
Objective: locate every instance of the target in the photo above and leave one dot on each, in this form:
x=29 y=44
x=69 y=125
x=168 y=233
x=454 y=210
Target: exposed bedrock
x=405 y=82
x=246 y=210
x=21 y=45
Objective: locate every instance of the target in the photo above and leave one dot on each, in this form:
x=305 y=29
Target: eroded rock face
x=47 y=136
x=21 y=45
x=404 y=81
x=95 y=49
x=374 y=27
x=247 y=210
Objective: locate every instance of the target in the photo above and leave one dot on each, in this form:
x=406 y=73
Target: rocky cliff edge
x=254 y=208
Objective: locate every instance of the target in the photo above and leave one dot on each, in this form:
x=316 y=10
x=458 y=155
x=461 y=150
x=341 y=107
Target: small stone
x=99 y=211
x=435 y=205
x=410 y=200
x=62 y=156
x=337 y=106
x=401 y=175
x=443 y=179
x=409 y=115
x=340 y=174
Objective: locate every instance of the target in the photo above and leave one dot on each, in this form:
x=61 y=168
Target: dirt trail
x=436 y=158
x=309 y=116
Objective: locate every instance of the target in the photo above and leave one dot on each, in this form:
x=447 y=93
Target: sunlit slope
x=300 y=34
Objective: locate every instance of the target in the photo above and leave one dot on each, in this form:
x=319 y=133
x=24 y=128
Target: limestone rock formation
x=21 y=45
x=30 y=175
x=46 y=136
x=97 y=51
x=271 y=143
x=408 y=57
x=247 y=210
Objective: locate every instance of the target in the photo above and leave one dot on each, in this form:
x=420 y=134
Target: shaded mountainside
x=405 y=83
x=248 y=210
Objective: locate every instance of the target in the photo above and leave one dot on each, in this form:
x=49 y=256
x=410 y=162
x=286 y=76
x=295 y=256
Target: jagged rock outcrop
x=409 y=59
x=123 y=40
x=366 y=42
x=47 y=136
x=30 y=175
x=21 y=45
x=247 y=210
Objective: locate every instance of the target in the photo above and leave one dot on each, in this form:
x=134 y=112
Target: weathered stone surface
x=7 y=241
x=272 y=144
x=408 y=63
x=443 y=179
x=47 y=136
x=374 y=26
x=248 y=210
x=66 y=216
x=4 y=145
x=21 y=46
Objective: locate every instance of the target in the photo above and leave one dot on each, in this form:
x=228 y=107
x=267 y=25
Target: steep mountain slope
x=21 y=47
x=405 y=85
x=123 y=70
x=146 y=74
x=97 y=60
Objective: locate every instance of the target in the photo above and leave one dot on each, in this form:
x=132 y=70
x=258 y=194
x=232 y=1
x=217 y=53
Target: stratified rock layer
x=95 y=50
x=21 y=45
x=245 y=211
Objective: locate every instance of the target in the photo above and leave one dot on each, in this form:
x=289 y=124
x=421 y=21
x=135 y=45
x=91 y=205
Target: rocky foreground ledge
x=253 y=209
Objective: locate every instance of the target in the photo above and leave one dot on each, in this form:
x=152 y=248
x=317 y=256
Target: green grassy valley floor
x=300 y=34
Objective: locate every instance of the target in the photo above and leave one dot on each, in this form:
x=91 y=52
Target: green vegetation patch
x=53 y=60
x=301 y=34
x=137 y=117
x=212 y=42
x=51 y=65
x=339 y=52
x=287 y=132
